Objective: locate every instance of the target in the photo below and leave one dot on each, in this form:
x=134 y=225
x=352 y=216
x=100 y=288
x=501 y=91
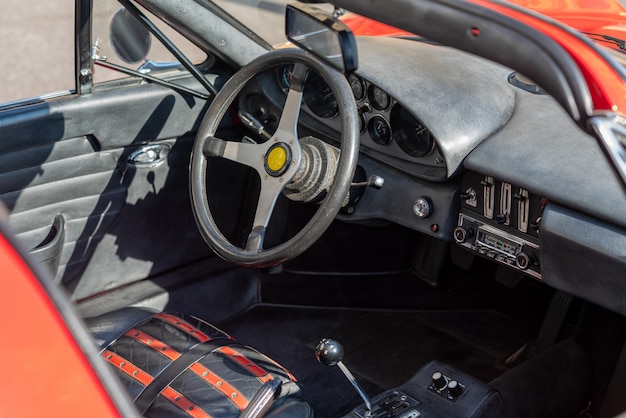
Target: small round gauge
x=358 y=88
x=378 y=98
x=379 y=130
x=285 y=74
x=319 y=97
x=410 y=133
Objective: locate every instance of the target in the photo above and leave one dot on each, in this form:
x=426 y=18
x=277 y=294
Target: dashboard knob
x=461 y=234
x=523 y=260
x=423 y=207
x=454 y=389
x=439 y=381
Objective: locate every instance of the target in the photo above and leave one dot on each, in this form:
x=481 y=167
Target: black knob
x=523 y=260
x=501 y=218
x=454 y=389
x=439 y=381
x=328 y=351
x=461 y=234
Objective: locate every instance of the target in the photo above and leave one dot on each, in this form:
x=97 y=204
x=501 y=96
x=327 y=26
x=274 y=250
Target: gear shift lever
x=329 y=352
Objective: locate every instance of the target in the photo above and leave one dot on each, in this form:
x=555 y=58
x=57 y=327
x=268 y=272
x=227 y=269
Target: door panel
x=123 y=222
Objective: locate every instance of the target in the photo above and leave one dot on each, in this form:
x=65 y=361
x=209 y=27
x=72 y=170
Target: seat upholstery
x=175 y=365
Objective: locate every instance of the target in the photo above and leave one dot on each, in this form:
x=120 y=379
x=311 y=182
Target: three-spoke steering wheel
x=276 y=161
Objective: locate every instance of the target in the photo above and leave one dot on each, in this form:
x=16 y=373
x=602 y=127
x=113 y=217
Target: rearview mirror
x=322 y=34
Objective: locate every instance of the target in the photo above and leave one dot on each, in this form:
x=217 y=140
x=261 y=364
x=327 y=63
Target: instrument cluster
x=386 y=126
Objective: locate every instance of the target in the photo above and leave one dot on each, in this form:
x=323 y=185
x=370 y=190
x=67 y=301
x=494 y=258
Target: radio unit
x=498 y=245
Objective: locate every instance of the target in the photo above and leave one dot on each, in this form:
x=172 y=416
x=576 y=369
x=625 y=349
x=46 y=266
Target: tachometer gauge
x=378 y=98
x=379 y=130
x=410 y=134
x=358 y=88
x=319 y=97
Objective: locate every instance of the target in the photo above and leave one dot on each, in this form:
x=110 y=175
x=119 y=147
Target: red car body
x=593 y=17
x=46 y=371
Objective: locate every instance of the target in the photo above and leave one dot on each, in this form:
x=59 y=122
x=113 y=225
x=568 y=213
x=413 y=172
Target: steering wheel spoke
x=240 y=152
x=270 y=190
x=288 y=123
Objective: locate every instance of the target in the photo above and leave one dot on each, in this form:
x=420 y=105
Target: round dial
x=319 y=97
x=410 y=134
x=358 y=88
x=379 y=99
x=285 y=74
x=379 y=130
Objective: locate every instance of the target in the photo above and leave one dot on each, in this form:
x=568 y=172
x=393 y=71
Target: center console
x=437 y=390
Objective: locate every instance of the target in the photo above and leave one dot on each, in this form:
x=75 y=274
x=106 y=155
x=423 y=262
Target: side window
x=37 y=44
x=158 y=61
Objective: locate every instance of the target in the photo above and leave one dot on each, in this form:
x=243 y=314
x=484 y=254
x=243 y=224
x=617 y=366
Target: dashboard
x=501 y=168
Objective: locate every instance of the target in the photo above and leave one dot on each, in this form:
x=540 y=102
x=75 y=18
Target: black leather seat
x=176 y=365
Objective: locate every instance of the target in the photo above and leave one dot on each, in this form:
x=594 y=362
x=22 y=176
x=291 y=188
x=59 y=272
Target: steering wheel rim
x=207 y=146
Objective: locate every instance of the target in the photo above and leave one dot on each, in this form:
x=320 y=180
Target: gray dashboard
x=461 y=107
x=553 y=195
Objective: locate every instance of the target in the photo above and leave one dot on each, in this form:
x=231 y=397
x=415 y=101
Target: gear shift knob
x=329 y=352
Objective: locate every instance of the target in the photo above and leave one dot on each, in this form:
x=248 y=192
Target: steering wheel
x=277 y=161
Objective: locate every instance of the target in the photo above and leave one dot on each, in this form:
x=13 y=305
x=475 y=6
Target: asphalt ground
x=37 y=44
x=37 y=40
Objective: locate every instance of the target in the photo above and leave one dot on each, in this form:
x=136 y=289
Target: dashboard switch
x=423 y=207
x=461 y=234
x=523 y=260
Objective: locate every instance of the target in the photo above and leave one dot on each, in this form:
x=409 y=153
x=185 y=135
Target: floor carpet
x=383 y=348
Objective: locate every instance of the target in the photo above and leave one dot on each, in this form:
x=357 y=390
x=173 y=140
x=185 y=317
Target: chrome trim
x=505 y=202
x=37 y=99
x=149 y=155
x=523 y=207
x=488 y=197
x=610 y=129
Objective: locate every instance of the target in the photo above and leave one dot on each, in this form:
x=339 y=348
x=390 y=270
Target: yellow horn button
x=276 y=159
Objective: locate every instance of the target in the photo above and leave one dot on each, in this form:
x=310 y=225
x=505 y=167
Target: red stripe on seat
x=184 y=326
x=249 y=365
x=153 y=343
x=127 y=367
x=183 y=403
x=221 y=385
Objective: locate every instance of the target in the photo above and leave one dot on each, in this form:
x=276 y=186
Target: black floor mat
x=383 y=349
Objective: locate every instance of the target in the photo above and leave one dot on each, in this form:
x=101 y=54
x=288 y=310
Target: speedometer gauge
x=410 y=133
